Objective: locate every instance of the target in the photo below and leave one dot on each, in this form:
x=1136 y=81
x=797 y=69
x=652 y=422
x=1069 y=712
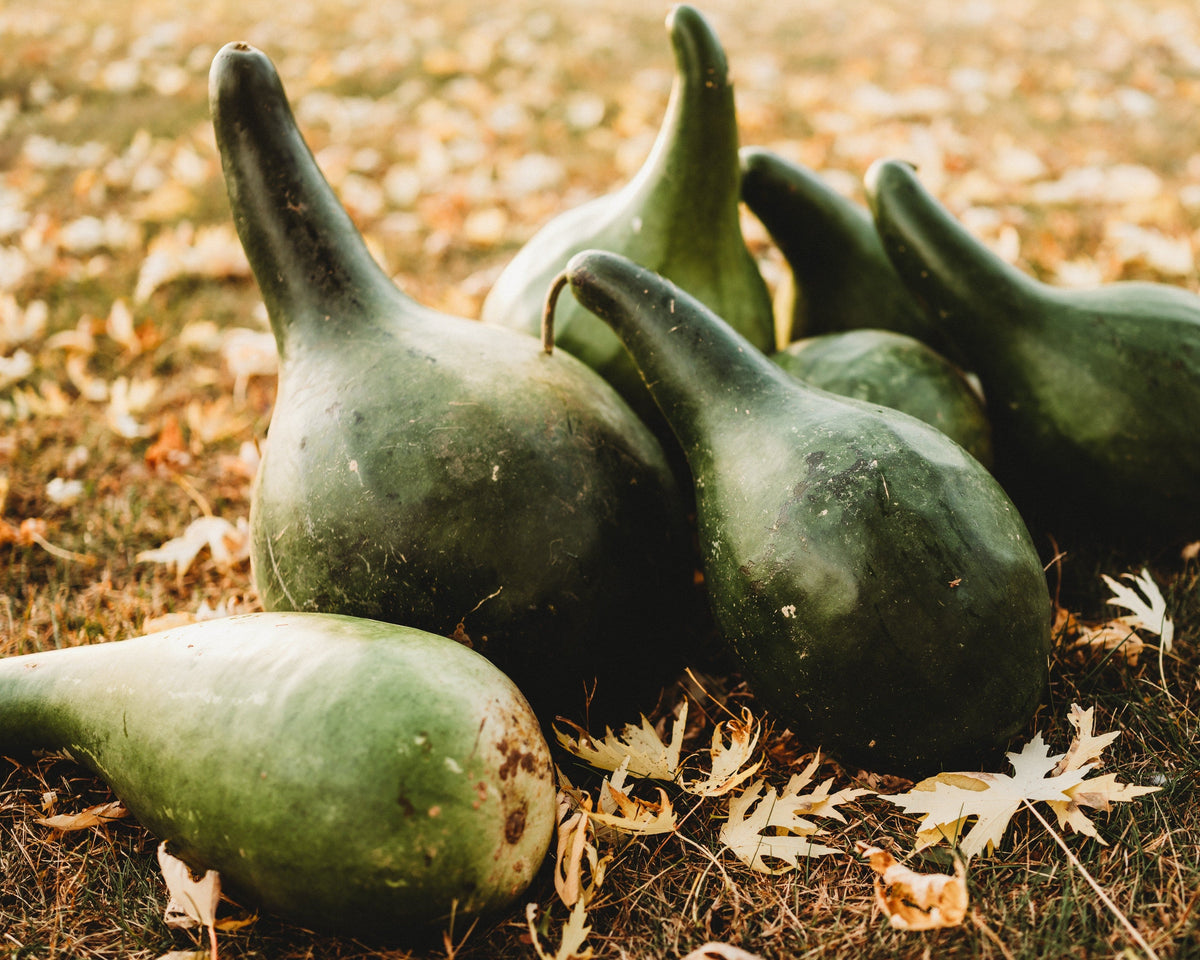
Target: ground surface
x=136 y=379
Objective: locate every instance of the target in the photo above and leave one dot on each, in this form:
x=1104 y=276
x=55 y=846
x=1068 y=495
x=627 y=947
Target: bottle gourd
x=839 y=276
x=350 y=775
x=678 y=216
x=878 y=589
x=434 y=471
x=898 y=371
x=1093 y=394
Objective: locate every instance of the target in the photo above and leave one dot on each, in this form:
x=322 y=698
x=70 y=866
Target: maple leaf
x=637 y=747
x=727 y=768
x=762 y=823
x=917 y=901
x=950 y=800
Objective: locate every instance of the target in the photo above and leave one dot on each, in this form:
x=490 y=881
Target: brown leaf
x=97 y=816
x=917 y=901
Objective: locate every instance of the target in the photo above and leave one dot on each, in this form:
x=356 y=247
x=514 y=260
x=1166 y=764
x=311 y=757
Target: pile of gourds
x=541 y=487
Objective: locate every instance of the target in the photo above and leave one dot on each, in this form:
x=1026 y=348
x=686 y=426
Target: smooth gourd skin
x=841 y=277
x=347 y=774
x=434 y=471
x=678 y=216
x=879 y=590
x=1093 y=394
x=898 y=371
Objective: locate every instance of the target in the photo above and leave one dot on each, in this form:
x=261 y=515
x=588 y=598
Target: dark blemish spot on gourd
x=406 y=805
x=514 y=826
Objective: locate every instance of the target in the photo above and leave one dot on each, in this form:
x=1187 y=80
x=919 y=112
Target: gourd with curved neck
x=878 y=588
x=1093 y=394
x=840 y=276
x=433 y=471
x=678 y=216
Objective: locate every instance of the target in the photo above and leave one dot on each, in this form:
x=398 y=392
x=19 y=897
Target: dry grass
x=406 y=103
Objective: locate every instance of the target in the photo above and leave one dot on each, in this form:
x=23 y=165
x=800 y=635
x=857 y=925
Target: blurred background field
x=136 y=368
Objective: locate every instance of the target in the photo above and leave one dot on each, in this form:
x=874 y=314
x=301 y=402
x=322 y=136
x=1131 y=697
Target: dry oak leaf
x=574 y=932
x=762 y=824
x=917 y=901
x=574 y=846
x=627 y=814
x=728 y=760
x=720 y=951
x=949 y=800
x=637 y=747
x=97 y=816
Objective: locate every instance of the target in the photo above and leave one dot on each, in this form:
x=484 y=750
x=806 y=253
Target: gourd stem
x=556 y=287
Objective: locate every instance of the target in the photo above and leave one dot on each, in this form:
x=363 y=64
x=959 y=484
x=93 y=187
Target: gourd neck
x=971 y=294
x=700 y=371
x=311 y=263
x=692 y=168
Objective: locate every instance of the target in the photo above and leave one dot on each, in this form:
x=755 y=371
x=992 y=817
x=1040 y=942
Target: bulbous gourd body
x=678 y=216
x=432 y=471
x=879 y=590
x=350 y=775
x=1093 y=394
x=840 y=275
x=898 y=371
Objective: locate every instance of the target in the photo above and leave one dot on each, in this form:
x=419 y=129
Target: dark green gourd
x=879 y=590
x=434 y=471
x=1093 y=394
x=840 y=276
x=898 y=371
x=678 y=216
x=353 y=776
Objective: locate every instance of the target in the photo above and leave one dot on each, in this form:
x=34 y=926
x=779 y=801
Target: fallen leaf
x=626 y=814
x=637 y=747
x=917 y=901
x=193 y=902
x=950 y=800
x=762 y=824
x=728 y=760
x=1148 y=610
x=229 y=545
x=97 y=816
x=574 y=933
x=573 y=848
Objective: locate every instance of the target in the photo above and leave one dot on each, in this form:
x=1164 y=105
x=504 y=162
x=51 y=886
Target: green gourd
x=1094 y=394
x=434 y=471
x=349 y=775
x=878 y=589
x=840 y=277
x=894 y=370
x=678 y=216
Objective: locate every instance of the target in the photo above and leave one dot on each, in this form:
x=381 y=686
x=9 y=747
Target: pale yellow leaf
x=228 y=543
x=193 y=902
x=96 y=816
x=950 y=800
x=733 y=744
x=764 y=826
x=574 y=932
x=637 y=746
x=574 y=848
x=1148 y=608
x=630 y=815
x=917 y=901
